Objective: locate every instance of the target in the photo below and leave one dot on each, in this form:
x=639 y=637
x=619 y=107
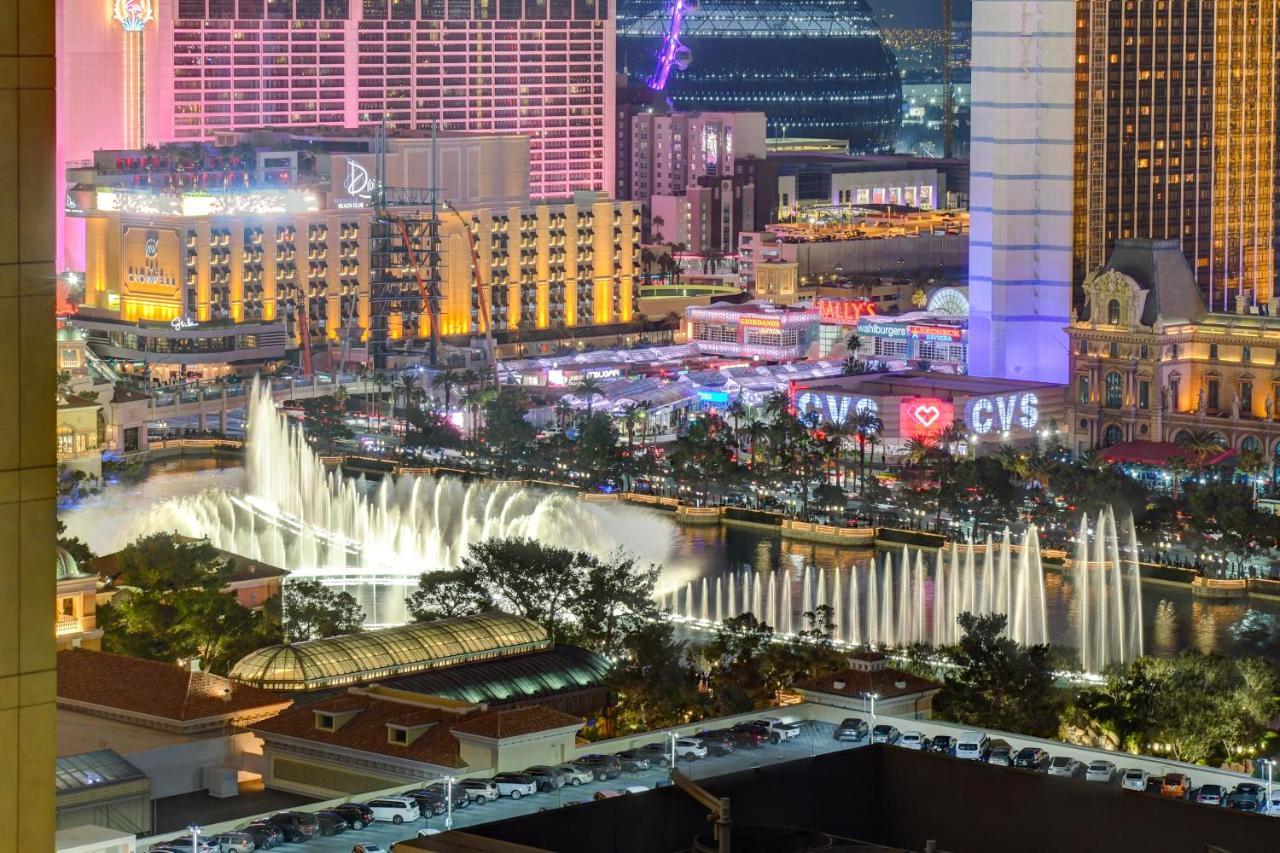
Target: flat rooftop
x=925 y=384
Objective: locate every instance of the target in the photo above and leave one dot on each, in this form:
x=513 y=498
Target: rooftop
x=107 y=566
x=854 y=683
x=516 y=722
x=353 y=658
x=90 y=680
x=927 y=383
x=93 y=770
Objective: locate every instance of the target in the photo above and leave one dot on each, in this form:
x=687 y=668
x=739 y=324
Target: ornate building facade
x=1149 y=362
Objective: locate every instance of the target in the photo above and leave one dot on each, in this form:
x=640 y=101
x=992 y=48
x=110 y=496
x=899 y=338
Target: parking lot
x=814 y=738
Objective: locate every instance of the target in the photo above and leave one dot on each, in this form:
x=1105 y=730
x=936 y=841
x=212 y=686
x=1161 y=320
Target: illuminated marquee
x=133 y=15
x=1003 y=413
x=935 y=333
x=833 y=408
x=882 y=330
x=844 y=312
x=924 y=417
x=761 y=322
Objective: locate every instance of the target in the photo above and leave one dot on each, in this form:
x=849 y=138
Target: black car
x=719 y=742
x=265 y=835
x=601 y=766
x=460 y=798
x=1032 y=758
x=633 y=760
x=852 y=729
x=942 y=744
x=1247 y=797
x=357 y=815
x=331 y=823
x=659 y=754
x=547 y=777
x=429 y=802
x=296 y=826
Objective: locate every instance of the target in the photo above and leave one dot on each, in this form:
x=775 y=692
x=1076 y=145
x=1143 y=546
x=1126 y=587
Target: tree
x=615 y=599
x=408 y=389
x=79 y=551
x=1201 y=444
x=536 y=581
x=742 y=677
x=652 y=684
x=1226 y=510
x=505 y=429
x=447 y=380
x=310 y=610
x=997 y=683
x=174 y=605
x=447 y=593
x=810 y=653
x=587 y=389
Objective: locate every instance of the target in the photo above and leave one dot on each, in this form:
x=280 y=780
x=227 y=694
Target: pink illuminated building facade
x=139 y=72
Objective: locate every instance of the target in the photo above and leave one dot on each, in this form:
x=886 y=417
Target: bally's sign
x=832 y=408
x=1002 y=413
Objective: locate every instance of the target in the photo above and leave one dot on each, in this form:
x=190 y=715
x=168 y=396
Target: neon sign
x=924 y=417
x=133 y=15
x=1002 y=413
x=180 y=323
x=846 y=312
x=359 y=183
x=882 y=330
x=761 y=322
x=934 y=333
x=834 y=408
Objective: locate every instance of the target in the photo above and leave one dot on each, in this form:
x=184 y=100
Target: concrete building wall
x=27 y=384
x=1021 y=188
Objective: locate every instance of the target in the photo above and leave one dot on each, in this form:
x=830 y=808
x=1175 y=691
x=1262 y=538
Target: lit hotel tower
x=1176 y=137
x=1020 y=194
x=133 y=17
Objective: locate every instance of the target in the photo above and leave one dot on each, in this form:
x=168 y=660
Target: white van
x=972 y=745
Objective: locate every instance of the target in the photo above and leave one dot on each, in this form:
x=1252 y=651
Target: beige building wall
x=27 y=384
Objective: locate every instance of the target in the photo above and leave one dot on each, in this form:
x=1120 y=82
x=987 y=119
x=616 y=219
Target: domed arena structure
x=815 y=68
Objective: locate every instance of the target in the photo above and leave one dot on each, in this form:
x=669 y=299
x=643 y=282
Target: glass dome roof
x=354 y=658
x=67 y=567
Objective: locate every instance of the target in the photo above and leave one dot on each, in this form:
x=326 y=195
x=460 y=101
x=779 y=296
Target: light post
x=873 y=697
x=448 y=803
x=1268 y=763
x=674 y=736
x=194 y=829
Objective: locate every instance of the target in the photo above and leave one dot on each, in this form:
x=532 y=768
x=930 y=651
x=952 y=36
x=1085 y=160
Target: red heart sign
x=926 y=416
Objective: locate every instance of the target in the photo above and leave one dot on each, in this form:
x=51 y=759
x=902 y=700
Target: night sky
x=916 y=13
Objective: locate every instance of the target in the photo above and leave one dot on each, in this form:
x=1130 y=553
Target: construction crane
x=484 y=293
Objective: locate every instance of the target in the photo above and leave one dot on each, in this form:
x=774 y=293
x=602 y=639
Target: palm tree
x=866 y=424
x=408 y=389
x=1202 y=444
x=564 y=412
x=341 y=396
x=736 y=412
x=632 y=415
x=647 y=257
x=1251 y=463
x=657 y=222
x=853 y=345
x=587 y=387
x=756 y=431
x=448 y=379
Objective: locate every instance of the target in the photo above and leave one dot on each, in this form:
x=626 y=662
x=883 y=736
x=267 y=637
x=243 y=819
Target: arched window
x=1113 y=312
x=1251 y=443
x=1112 y=435
x=1183 y=437
x=1113 y=391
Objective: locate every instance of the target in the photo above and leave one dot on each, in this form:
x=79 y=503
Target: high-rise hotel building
x=153 y=71
x=1175 y=137
x=200 y=256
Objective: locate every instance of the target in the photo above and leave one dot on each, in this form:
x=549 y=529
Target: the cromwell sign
x=151 y=271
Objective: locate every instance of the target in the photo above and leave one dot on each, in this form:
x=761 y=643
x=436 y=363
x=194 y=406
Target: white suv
x=911 y=740
x=394 y=809
x=690 y=748
x=480 y=791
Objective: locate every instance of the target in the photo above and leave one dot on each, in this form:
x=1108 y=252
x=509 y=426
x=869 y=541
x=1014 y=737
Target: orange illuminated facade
x=1176 y=109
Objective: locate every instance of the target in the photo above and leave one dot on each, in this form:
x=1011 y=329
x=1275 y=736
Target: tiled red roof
x=883 y=683
x=516 y=722
x=367 y=730
x=154 y=688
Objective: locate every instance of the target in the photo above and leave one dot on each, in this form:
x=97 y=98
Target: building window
x=1144 y=394
x=1175 y=385
x=1211 y=397
x=1113 y=391
x=1213 y=351
x=324 y=722
x=1246 y=397
x=68 y=607
x=1115 y=350
x=1144 y=352
x=1251 y=443
x=1246 y=355
x=1083 y=384
x=1113 y=312
x=1112 y=435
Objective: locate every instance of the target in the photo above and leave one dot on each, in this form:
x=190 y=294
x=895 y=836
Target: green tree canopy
x=613 y=601
x=653 y=685
x=311 y=610
x=999 y=684
x=448 y=593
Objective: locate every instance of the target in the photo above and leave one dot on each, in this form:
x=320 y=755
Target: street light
x=448 y=803
x=1268 y=763
x=194 y=829
x=873 y=697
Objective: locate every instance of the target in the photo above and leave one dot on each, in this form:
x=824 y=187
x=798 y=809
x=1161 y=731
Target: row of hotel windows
x=393 y=10
x=1113 y=392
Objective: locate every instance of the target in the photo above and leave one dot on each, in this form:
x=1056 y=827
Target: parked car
x=1211 y=795
x=690 y=748
x=1273 y=806
x=331 y=823
x=1177 y=785
x=971 y=745
x=1100 y=771
x=751 y=735
x=429 y=802
x=999 y=753
x=368 y=847
x=1063 y=765
x=266 y=835
x=778 y=729
x=885 y=733
x=1135 y=779
x=633 y=760
x=575 y=775
x=235 y=841
x=357 y=815
x=601 y=766
x=460 y=798
x=659 y=754
x=480 y=791
x=719 y=741
x=911 y=740
x=515 y=785
x=942 y=744
x=395 y=809
x=852 y=729
x=296 y=826
x=183 y=843
x=1032 y=758
x=1155 y=784
x=1248 y=793
x=548 y=778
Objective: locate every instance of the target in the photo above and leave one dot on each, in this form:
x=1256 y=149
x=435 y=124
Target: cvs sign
x=1003 y=412
x=832 y=408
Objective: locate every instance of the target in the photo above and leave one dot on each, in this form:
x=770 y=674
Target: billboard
x=151 y=273
x=924 y=417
